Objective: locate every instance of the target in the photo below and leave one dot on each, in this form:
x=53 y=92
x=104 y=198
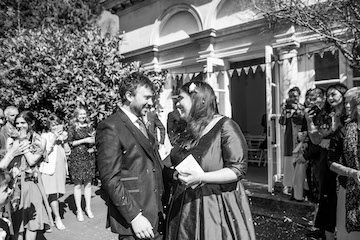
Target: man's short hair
x=132 y=82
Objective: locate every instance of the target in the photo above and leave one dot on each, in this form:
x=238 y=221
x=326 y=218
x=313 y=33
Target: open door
x=274 y=134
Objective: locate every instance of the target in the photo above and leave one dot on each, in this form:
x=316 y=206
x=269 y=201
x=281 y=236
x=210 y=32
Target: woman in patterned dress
x=32 y=212
x=344 y=159
x=209 y=204
x=82 y=159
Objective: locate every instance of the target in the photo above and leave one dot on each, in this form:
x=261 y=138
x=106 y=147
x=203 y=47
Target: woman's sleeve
x=234 y=148
x=336 y=147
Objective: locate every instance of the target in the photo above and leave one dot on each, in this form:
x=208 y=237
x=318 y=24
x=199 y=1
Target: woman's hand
x=189 y=177
x=19 y=148
x=355 y=174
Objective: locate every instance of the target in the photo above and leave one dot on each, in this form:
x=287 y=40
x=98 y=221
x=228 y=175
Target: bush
x=52 y=70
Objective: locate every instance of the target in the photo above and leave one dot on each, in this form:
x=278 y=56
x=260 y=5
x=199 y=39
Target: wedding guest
x=82 y=159
x=32 y=212
x=291 y=117
x=205 y=201
x=54 y=170
x=6 y=184
x=344 y=159
x=320 y=132
x=9 y=128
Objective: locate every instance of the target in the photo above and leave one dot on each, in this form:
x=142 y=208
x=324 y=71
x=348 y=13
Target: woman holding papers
x=210 y=157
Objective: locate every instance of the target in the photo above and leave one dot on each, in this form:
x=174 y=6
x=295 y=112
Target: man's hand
x=142 y=227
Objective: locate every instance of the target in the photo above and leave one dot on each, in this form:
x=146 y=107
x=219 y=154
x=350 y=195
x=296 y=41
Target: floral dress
x=33 y=211
x=213 y=211
x=81 y=162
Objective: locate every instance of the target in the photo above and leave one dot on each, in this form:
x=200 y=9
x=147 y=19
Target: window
x=356 y=73
x=327 y=66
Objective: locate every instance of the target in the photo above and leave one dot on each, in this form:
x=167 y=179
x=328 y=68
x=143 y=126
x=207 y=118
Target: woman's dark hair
x=204 y=107
x=295 y=89
x=31 y=120
x=355 y=101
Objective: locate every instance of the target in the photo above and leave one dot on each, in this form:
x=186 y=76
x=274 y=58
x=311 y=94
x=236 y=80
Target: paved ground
x=272 y=218
x=90 y=229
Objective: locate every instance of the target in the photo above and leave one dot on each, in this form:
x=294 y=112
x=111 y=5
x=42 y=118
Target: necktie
x=142 y=127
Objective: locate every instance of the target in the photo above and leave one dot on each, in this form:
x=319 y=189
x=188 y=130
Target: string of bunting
x=246 y=70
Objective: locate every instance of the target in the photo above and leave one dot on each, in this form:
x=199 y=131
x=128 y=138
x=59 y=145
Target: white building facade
x=228 y=44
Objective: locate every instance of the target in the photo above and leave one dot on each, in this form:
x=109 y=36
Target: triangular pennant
x=186 y=78
x=217 y=74
x=273 y=64
x=280 y=62
x=321 y=53
x=246 y=69
x=239 y=70
x=191 y=75
x=254 y=68
x=231 y=71
x=309 y=55
x=299 y=58
x=263 y=67
x=196 y=74
x=290 y=60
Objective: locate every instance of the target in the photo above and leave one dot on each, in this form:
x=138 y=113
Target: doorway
x=248 y=99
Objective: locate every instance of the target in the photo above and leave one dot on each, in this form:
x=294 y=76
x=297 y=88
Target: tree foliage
x=58 y=60
x=337 y=22
x=32 y=14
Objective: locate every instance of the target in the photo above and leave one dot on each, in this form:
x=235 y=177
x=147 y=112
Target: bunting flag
x=246 y=69
x=186 y=77
x=239 y=70
x=231 y=71
x=263 y=66
x=254 y=68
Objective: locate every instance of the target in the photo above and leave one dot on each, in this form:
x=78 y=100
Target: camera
x=289 y=104
x=315 y=109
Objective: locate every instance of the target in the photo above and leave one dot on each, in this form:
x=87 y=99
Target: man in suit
x=129 y=167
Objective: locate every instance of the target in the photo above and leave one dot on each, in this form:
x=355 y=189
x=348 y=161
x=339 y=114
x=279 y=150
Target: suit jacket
x=130 y=171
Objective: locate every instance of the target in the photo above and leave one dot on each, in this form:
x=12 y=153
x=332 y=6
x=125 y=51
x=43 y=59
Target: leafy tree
x=53 y=59
x=49 y=70
x=32 y=14
x=337 y=22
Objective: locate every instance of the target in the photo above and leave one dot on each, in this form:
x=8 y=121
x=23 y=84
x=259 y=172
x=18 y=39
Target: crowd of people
x=147 y=196
x=197 y=184
x=321 y=162
x=37 y=162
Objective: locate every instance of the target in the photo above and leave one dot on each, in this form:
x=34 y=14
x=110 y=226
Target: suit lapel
x=146 y=144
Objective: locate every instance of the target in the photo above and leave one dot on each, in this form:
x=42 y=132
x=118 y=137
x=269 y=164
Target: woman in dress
x=344 y=159
x=82 y=160
x=321 y=129
x=208 y=204
x=54 y=170
x=32 y=213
